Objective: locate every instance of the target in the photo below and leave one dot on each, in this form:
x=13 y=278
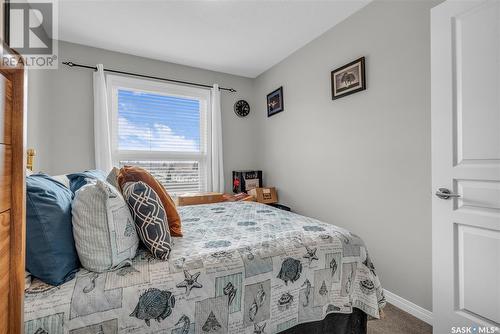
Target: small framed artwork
x=275 y=102
x=349 y=79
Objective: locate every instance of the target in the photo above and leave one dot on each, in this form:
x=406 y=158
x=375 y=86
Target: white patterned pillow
x=104 y=231
x=150 y=218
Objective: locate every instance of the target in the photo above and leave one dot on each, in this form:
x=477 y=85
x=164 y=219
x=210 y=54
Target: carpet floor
x=397 y=321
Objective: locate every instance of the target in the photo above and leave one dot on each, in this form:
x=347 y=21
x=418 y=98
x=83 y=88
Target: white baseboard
x=409 y=307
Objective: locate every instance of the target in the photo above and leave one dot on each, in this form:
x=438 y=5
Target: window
x=162 y=128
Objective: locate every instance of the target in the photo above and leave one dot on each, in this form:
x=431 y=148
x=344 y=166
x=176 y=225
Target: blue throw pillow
x=50 y=248
x=78 y=180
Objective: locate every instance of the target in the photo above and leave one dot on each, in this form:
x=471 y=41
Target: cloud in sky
x=158 y=137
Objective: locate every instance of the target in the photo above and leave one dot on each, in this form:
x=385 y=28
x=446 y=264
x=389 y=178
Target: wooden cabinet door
x=5 y=198
x=4 y=270
x=12 y=196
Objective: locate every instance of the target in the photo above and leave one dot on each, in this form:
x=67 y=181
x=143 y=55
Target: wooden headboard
x=12 y=195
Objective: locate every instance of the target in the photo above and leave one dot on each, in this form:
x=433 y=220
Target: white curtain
x=102 y=137
x=217 y=158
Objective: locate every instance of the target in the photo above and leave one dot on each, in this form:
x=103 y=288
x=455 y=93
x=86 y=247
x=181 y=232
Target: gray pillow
x=150 y=218
x=103 y=229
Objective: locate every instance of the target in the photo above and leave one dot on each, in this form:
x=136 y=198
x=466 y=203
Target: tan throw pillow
x=137 y=174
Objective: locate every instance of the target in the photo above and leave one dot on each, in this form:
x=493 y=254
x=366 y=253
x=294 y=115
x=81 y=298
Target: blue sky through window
x=154 y=122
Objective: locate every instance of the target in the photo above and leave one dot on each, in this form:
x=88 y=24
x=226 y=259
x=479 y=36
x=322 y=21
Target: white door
x=465 y=64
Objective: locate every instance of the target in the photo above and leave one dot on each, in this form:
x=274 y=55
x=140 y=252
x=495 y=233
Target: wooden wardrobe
x=12 y=195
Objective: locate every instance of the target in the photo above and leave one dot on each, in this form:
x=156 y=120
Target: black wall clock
x=242 y=108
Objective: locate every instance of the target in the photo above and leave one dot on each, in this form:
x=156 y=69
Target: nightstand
x=199 y=198
x=239 y=197
x=210 y=198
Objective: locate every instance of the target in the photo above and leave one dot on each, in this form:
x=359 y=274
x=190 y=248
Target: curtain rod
x=71 y=64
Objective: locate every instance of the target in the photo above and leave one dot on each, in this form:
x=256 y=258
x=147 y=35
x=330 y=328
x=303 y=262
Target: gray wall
x=362 y=161
x=60 y=109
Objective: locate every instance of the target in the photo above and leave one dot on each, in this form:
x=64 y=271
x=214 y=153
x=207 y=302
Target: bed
x=241 y=267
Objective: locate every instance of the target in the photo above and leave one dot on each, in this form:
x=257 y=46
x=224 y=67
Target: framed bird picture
x=349 y=79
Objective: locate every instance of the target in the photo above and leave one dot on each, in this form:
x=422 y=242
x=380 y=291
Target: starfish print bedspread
x=241 y=267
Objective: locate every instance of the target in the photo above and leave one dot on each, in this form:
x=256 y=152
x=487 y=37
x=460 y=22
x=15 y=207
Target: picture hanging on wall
x=349 y=79
x=275 y=102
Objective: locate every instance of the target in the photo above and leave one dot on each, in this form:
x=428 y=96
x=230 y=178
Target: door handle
x=444 y=193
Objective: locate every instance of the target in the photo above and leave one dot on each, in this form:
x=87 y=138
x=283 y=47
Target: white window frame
x=204 y=157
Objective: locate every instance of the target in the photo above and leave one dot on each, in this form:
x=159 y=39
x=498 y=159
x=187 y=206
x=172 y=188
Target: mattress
x=241 y=267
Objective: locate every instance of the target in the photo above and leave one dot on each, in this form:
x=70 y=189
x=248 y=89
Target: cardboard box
x=264 y=195
x=199 y=198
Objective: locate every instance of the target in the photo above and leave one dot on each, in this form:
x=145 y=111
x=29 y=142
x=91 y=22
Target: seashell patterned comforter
x=241 y=267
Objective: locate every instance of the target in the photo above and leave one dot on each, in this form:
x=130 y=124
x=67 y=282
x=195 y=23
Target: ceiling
x=238 y=37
